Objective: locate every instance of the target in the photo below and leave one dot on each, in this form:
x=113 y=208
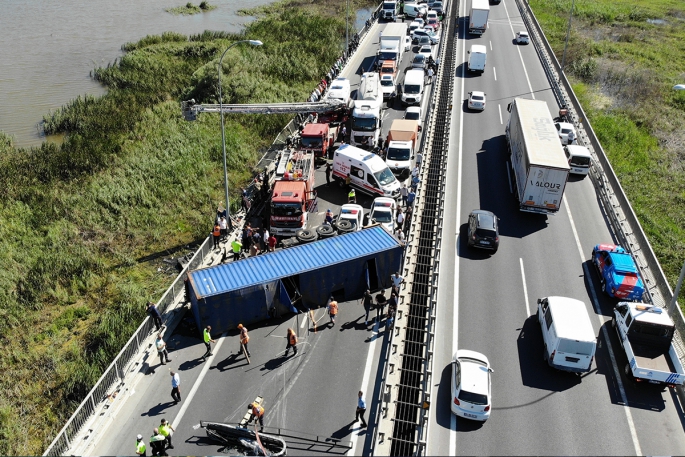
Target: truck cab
x=315 y=138
x=401 y=144
x=646 y=334
x=389 y=10
x=293 y=195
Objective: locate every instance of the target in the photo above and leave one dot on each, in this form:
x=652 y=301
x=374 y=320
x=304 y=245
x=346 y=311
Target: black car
x=483 y=231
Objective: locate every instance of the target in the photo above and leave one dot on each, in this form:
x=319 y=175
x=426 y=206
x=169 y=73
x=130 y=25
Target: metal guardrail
x=116 y=371
x=615 y=204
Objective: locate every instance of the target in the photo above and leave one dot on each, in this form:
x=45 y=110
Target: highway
x=313 y=394
x=487 y=302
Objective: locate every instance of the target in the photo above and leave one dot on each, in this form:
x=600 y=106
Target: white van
x=412 y=88
x=579 y=159
x=477 y=58
x=368 y=173
x=569 y=339
x=414 y=9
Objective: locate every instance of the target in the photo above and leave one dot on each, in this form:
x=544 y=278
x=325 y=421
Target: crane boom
x=191 y=109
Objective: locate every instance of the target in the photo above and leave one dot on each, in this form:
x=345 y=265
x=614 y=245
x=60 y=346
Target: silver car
x=419 y=61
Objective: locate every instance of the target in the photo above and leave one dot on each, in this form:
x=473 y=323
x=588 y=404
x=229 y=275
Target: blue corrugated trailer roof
x=288 y=262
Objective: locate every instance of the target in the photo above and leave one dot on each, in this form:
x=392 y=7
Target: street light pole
x=347 y=27
x=568 y=32
x=223 y=133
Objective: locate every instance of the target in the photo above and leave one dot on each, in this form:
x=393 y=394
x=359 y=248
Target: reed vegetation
x=624 y=57
x=131 y=179
x=189 y=8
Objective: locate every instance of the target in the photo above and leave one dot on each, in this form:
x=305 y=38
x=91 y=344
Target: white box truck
x=401 y=145
x=537 y=159
x=391 y=45
x=478 y=17
x=646 y=334
x=389 y=10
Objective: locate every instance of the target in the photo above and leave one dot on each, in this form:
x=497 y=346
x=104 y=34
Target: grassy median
x=624 y=57
x=132 y=181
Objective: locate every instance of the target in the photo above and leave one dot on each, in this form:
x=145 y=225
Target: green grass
x=132 y=178
x=623 y=68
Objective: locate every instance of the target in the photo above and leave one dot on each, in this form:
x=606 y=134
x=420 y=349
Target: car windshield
x=576 y=347
x=382 y=216
x=474 y=399
x=485 y=233
x=286 y=209
x=425 y=50
x=412 y=89
x=310 y=142
x=523 y=34
x=386 y=82
x=389 y=70
x=419 y=58
x=476 y=97
x=364 y=124
x=385 y=177
x=566 y=131
x=412 y=116
x=336 y=87
x=581 y=161
x=398 y=154
x=388 y=6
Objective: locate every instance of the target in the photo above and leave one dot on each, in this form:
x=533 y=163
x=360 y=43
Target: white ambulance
x=367 y=171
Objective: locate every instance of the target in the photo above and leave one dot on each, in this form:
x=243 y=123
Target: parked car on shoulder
x=471 y=385
x=567 y=133
x=522 y=37
x=618 y=272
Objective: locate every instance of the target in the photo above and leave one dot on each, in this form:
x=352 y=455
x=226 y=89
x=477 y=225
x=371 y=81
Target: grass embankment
x=189 y=9
x=623 y=67
x=131 y=179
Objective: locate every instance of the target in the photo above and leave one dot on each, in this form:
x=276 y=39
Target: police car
x=383 y=211
x=352 y=213
x=618 y=273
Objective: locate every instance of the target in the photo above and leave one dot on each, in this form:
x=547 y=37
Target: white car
x=353 y=213
x=388 y=86
x=413 y=26
x=407 y=43
x=476 y=100
x=471 y=385
x=522 y=37
x=426 y=50
x=418 y=33
x=566 y=130
x=383 y=211
x=420 y=21
x=413 y=113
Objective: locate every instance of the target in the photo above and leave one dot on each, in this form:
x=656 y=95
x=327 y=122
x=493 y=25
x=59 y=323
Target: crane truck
x=293 y=195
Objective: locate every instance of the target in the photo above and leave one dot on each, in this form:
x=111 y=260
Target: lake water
x=48 y=48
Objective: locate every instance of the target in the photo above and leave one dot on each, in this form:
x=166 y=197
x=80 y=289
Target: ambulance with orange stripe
x=368 y=172
x=618 y=273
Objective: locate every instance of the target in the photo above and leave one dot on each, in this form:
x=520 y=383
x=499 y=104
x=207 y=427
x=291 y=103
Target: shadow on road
x=158 y=409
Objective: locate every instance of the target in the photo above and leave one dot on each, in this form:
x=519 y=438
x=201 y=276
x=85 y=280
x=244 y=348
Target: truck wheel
x=344 y=226
x=306 y=235
x=325 y=231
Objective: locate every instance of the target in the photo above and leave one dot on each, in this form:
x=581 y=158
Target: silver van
x=569 y=340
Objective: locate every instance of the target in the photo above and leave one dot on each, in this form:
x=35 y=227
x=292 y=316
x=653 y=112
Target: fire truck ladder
x=191 y=109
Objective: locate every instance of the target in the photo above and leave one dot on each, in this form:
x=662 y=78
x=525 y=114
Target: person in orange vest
x=258 y=414
x=244 y=339
x=217 y=235
x=292 y=342
x=332 y=310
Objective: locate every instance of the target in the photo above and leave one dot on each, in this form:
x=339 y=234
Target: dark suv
x=483 y=231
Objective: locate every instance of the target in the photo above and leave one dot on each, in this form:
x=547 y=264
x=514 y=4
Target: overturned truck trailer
x=304 y=276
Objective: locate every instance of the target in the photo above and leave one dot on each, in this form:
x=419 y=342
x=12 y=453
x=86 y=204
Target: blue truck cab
x=618 y=273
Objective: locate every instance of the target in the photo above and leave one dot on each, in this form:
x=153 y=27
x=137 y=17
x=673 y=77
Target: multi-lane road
x=485 y=303
x=535 y=409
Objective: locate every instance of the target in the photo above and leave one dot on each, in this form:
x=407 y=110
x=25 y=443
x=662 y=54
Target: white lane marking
x=499 y=109
x=595 y=304
x=518 y=49
x=455 y=310
x=305 y=320
x=525 y=288
x=365 y=382
x=511 y=189
x=189 y=399
x=491 y=45
x=494 y=72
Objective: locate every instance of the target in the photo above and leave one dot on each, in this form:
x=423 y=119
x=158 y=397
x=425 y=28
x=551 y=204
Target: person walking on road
x=154 y=314
x=216 y=233
x=411 y=196
x=352 y=196
x=431 y=75
x=161 y=349
x=237 y=246
x=272 y=242
x=361 y=409
x=381 y=301
x=380 y=36
x=141 y=449
x=400 y=217
x=419 y=160
x=403 y=193
x=328 y=173
x=165 y=429
x=175 y=387
x=332 y=310
x=291 y=342
x=206 y=335
x=258 y=414
x=367 y=301
x=244 y=339
x=392 y=308
x=157 y=443
x=397 y=281
x=344 y=133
